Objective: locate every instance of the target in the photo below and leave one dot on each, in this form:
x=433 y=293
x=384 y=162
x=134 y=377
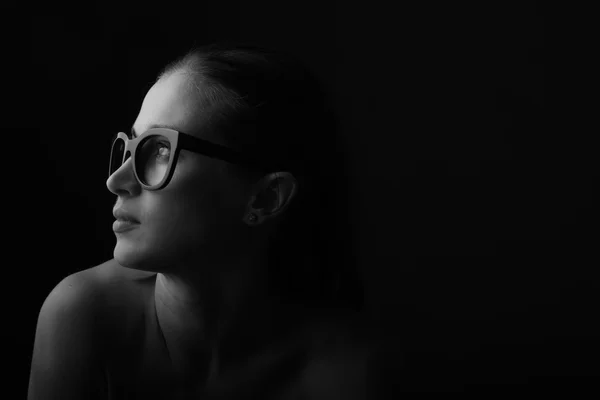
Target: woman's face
x=199 y=213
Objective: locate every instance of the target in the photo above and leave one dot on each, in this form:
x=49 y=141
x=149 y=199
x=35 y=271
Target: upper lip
x=123 y=215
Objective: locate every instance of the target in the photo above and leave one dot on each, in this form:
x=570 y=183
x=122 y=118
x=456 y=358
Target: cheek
x=183 y=216
x=178 y=215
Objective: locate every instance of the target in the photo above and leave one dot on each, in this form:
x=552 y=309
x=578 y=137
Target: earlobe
x=252 y=218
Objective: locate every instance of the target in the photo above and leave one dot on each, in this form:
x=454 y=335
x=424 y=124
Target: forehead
x=173 y=101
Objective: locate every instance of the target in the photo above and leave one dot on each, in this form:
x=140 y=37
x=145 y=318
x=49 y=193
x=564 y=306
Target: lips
x=120 y=226
x=122 y=215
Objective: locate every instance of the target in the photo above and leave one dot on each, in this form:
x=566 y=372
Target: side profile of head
x=235 y=159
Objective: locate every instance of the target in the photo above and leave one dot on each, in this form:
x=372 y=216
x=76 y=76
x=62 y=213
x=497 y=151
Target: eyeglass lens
x=151 y=160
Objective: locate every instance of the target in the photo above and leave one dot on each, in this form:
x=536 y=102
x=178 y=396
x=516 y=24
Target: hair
x=267 y=104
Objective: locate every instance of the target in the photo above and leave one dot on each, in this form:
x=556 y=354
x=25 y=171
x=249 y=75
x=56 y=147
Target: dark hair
x=265 y=103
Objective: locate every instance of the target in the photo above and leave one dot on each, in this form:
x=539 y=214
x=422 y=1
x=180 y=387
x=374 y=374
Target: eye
x=162 y=151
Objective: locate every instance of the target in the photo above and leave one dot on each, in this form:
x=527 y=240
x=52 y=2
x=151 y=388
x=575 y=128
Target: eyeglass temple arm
x=220 y=152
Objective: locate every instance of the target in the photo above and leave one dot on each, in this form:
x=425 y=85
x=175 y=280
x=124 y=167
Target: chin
x=131 y=256
x=145 y=256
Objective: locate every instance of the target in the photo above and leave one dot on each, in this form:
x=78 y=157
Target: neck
x=202 y=316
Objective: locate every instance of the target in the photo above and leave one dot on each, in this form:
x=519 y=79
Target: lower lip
x=120 y=226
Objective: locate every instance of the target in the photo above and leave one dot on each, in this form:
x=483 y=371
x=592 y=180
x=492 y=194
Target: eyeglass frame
x=181 y=141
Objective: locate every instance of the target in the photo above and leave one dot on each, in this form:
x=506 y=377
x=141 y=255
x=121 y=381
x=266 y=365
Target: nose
x=122 y=182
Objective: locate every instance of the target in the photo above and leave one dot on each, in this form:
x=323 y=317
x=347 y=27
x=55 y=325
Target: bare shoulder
x=78 y=293
x=87 y=316
x=123 y=296
x=107 y=297
x=84 y=294
x=110 y=272
x=113 y=286
x=66 y=359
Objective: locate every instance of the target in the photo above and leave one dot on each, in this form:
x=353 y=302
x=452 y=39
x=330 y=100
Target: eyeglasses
x=155 y=152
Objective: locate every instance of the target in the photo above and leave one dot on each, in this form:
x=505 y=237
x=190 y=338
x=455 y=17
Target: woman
x=220 y=286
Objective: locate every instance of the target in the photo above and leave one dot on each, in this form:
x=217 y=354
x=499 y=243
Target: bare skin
x=138 y=359
x=192 y=234
x=182 y=307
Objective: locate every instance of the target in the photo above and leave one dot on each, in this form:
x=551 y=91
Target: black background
x=474 y=191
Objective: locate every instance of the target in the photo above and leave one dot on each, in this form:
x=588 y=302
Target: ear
x=272 y=195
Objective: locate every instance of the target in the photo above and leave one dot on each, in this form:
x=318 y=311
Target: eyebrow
x=134 y=134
